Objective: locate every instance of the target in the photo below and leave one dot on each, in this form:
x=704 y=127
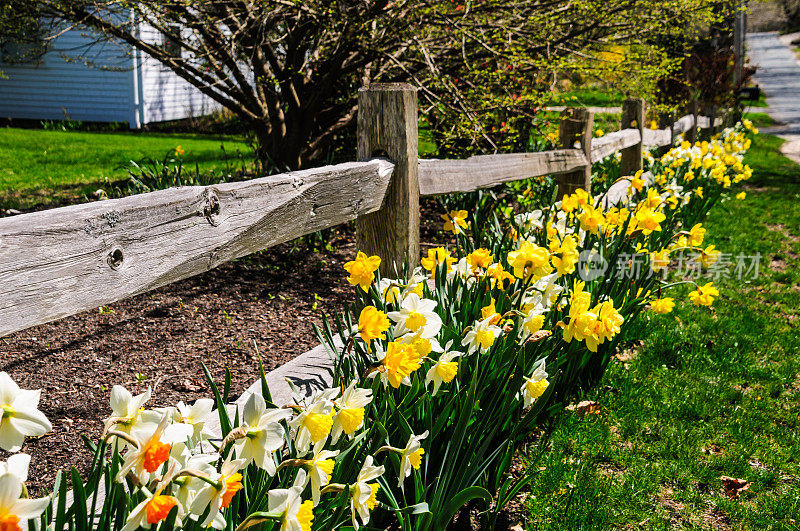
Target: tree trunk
x=275 y=152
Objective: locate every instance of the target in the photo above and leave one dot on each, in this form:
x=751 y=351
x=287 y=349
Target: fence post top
x=388 y=87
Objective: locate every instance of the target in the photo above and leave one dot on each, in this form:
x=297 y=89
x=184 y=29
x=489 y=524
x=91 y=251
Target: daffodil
x=649 y=220
x=411 y=456
x=152 y=447
x=218 y=494
x=320 y=467
x=398 y=363
x=455 y=221
x=313 y=424
x=566 y=256
x=19 y=414
x=17 y=464
x=529 y=260
x=591 y=219
x=481 y=337
x=295 y=514
x=372 y=324
x=479 y=259
x=127 y=411
x=659 y=259
x=696 y=235
x=264 y=433
x=704 y=295
x=709 y=256
x=416 y=315
x=534 y=386
x=15 y=510
x=153 y=509
x=662 y=305
x=498 y=275
x=362 y=270
x=444 y=369
x=363 y=494
x=350 y=411
x=436 y=257
x=195 y=415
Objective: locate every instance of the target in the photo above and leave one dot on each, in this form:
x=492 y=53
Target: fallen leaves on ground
x=585 y=407
x=733 y=486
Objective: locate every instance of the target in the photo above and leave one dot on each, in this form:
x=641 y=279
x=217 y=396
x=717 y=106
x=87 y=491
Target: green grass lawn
x=702 y=393
x=760 y=119
x=37 y=165
x=593 y=97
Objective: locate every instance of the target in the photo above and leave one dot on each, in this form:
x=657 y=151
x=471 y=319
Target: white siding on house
x=121 y=85
x=55 y=89
x=167 y=96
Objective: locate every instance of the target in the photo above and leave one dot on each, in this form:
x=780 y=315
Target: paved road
x=778 y=75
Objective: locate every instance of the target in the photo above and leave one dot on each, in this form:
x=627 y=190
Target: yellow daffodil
x=435 y=258
x=362 y=270
x=455 y=221
x=372 y=324
x=662 y=305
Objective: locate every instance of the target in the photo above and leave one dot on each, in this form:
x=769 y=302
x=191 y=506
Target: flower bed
x=449 y=369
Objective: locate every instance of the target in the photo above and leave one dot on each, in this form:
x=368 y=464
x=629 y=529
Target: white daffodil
x=350 y=411
x=363 y=494
x=411 y=456
x=444 y=370
x=320 y=468
x=296 y=514
x=19 y=414
x=313 y=424
x=534 y=386
x=548 y=288
x=529 y=221
x=422 y=345
x=195 y=415
x=390 y=289
x=17 y=465
x=15 y=510
x=187 y=486
x=533 y=321
x=481 y=337
x=152 y=447
x=127 y=410
x=218 y=496
x=264 y=433
x=416 y=282
x=154 y=508
x=416 y=315
x=463 y=271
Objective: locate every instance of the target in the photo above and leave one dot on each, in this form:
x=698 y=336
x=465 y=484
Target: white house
x=103 y=82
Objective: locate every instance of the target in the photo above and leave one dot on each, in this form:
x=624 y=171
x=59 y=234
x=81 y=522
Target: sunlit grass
x=706 y=393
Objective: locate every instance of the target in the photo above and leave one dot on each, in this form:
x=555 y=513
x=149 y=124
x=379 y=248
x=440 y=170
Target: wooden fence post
x=632 y=118
x=387 y=126
x=667 y=119
x=576 y=125
x=691 y=133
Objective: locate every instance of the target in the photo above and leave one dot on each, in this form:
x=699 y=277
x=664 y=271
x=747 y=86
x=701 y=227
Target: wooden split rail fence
x=60 y=262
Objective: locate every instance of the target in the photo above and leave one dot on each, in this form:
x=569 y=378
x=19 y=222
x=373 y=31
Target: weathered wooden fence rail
x=63 y=261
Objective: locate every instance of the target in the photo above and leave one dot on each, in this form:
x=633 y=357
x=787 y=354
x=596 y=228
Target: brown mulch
x=159 y=339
